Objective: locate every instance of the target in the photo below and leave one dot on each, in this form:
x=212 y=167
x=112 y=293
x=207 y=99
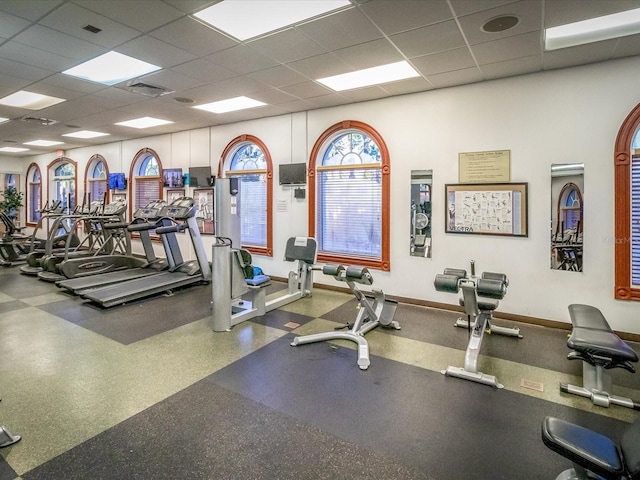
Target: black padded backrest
x=301 y=248
x=630 y=447
x=586 y=316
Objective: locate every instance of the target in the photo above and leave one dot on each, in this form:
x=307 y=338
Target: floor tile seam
x=99 y=425
x=504 y=365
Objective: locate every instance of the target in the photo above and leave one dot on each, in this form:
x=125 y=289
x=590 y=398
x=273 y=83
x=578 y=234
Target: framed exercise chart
x=487 y=209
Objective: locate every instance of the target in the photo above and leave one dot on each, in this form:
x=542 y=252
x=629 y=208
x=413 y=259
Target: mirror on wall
x=421 y=192
x=567 y=216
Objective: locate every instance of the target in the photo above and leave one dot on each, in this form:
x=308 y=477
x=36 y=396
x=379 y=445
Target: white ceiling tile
x=528 y=12
x=192 y=36
x=320 y=66
x=510 y=68
x=370 y=54
x=21 y=70
x=509 y=48
x=456 y=59
x=10 y=25
x=466 y=7
x=410 y=85
x=59 y=43
x=273 y=96
x=71 y=20
x=364 y=94
x=278 y=76
x=155 y=51
x=143 y=15
x=401 y=15
x=458 y=77
x=242 y=59
x=430 y=39
x=171 y=80
x=35 y=57
x=347 y=28
x=306 y=90
x=204 y=70
x=29 y=10
x=287 y=46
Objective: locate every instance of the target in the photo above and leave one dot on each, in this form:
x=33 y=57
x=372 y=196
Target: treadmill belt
x=123 y=292
x=80 y=284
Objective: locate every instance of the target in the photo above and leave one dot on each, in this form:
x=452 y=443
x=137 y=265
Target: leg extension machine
x=371 y=313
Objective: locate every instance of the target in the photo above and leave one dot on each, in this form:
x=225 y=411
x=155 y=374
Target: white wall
x=562 y=116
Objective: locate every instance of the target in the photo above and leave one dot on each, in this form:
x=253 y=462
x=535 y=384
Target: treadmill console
x=178 y=212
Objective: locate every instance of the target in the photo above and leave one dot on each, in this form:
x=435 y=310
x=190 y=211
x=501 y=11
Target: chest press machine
x=378 y=311
x=479 y=316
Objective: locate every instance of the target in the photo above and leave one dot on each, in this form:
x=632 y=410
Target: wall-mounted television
x=293 y=174
x=200 y=177
x=117 y=181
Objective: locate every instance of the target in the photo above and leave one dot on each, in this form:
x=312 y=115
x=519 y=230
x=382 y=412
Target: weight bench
x=593 y=341
x=592 y=453
x=489 y=285
x=371 y=313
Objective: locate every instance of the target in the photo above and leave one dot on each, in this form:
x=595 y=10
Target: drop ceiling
x=442 y=39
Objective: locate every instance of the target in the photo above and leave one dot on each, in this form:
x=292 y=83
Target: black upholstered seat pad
x=601 y=343
x=593 y=451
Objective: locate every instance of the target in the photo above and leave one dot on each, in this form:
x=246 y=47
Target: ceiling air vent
x=137 y=86
x=39 y=121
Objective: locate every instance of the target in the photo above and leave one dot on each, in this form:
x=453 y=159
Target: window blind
x=97 y=188
x=635 y=220
x=34 y=202
x=146 y=190
x=253 y=210
x=349 y=219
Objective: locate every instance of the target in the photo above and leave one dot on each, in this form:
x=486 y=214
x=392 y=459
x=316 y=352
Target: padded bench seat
x=594 y=342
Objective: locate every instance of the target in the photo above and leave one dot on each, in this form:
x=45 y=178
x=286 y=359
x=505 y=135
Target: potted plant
x=12 y=202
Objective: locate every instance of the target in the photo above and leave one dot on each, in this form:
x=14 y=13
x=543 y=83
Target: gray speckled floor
x=148 y=391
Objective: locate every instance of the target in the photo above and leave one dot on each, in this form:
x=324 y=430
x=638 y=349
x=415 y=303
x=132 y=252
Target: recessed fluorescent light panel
x=30 y=100
x=596 y=29
x=144 y=122
x=84 y=134
x=244 y=19
x=370 y=76
x=111 y=68
x=43 y=143
x=2 y=119
x=230 y=105
x=13 y=149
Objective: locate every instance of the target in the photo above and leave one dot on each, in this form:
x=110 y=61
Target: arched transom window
x=349 y=213
x=146 y=172
x=96 y=181
x=34 y=194
x=248 y=159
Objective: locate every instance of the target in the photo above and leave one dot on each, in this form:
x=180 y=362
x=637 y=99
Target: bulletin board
x=487 y=209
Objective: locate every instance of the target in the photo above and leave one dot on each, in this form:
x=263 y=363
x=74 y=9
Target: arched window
x=96 y=178
x=627 y=208
x=62 y=186
x=248 y=159
x=34 y=194
x=146 y=172
x=570 y=208
x=349 y=196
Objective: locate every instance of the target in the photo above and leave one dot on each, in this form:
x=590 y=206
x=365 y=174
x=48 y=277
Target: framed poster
x=174 y=194
x=488 y=209
x=203 y=199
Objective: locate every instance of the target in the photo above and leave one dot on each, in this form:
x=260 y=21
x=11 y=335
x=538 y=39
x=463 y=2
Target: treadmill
x=120 y=268
x=183 y=273
x=98 y=240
